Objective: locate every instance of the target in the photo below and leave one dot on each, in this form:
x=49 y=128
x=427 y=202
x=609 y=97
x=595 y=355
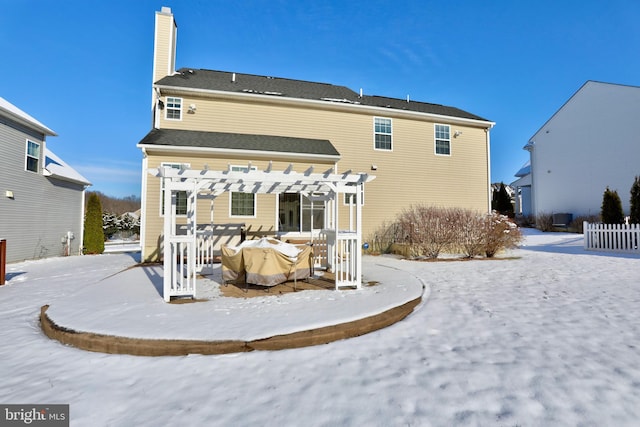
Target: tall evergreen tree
x=93 y=232
x=502 y=201
x=634 y=215
x=611 y=212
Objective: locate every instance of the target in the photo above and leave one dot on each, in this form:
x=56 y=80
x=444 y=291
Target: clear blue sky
x=83 y=68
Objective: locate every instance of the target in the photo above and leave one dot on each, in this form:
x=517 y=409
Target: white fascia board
x=327 y=104
x=16 y=114
x=250 y=153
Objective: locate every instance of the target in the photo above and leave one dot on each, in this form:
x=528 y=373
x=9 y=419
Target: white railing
x=182 y=269
x=612 y=237
x=343 y=253
x=205 y=245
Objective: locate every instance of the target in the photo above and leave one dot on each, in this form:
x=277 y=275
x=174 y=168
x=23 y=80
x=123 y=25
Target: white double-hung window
x=33 y=156
x=174 y=108
x=382 y=133
x=443 y=140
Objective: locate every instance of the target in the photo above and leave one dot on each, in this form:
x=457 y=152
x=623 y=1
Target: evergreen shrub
x=611 y=211
x=93 y=232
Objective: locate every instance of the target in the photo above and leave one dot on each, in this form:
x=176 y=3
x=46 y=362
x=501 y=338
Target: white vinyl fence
x=612 y=237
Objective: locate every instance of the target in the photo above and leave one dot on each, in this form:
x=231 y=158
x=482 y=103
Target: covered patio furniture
x=266 y=262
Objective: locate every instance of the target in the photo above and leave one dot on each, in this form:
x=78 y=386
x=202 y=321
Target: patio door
x=296 y=213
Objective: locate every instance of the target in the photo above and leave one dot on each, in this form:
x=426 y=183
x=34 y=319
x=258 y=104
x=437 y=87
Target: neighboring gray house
x=41 y=197
x=591 y=142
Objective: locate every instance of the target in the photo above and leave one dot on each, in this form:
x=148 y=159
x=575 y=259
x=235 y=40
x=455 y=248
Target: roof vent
x=360 y=92
x=233 y=78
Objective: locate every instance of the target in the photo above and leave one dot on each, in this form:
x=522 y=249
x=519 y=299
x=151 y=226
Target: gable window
x=382 y=132
x=181 y=196
x=443 y=139
x=174 y=108
x=242 y=204
x=33 y=156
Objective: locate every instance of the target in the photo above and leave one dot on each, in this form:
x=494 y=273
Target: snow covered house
x=229 y=121
x=590 y=143
x=41 y=197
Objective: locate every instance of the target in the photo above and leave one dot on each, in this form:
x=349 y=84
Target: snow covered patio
x=548 y=338
x=123 y=312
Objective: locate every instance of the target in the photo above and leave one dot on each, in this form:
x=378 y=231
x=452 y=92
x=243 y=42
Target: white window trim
x=166 y=108
x=374 y=134
x=435 y=138
x=255 y=197
x=162 y=188
x=27 y=156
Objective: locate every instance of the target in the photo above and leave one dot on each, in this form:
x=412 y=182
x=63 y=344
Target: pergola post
x=359 y=188
x=169 y=225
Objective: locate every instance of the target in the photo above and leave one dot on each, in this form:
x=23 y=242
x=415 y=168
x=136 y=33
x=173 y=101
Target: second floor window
x=174 y=108
x=33 y=156
x=443 y=140
x=382 y=132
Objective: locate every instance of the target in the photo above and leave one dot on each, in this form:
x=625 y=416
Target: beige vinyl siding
x=264 y=223
x=410 y=173
x=164 y=46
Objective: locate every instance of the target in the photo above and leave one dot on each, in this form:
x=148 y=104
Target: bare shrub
x=525 y=220
x=384 y=236
x=499 y=233
x=429 y=228
x=469 y=226
x=577 y=224
x=544 y=221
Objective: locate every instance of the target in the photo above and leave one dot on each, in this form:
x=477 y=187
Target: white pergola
x=343 y=244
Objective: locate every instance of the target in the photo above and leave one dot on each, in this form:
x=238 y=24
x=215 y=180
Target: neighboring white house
x=591 y=142
x=522 y=189
x=41 y=197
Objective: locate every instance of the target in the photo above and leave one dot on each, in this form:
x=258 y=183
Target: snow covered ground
x=548 y=338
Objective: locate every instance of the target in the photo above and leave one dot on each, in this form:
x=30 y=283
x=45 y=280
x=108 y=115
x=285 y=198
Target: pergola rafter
x=343 y=245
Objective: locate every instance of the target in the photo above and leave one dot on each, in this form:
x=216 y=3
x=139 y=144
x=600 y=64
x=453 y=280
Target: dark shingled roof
x=279 y=87
x=236 y=141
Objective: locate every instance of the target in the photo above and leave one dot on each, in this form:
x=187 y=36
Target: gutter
x=255 y=153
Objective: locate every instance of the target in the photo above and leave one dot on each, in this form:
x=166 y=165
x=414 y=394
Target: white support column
x=357 y=255
x=192 y=221
x=169 y=224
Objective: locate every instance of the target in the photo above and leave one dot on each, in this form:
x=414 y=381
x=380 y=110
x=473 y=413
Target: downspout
x=143 y=206
x=81 y=238
x=487 y=131
x=155 y=111
x=533 y=193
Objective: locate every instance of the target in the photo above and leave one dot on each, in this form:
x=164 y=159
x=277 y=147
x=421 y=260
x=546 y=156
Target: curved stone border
x=160 y=347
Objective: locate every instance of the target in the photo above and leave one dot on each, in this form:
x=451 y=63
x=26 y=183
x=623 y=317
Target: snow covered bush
x=499 y=233
x=125 y=225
